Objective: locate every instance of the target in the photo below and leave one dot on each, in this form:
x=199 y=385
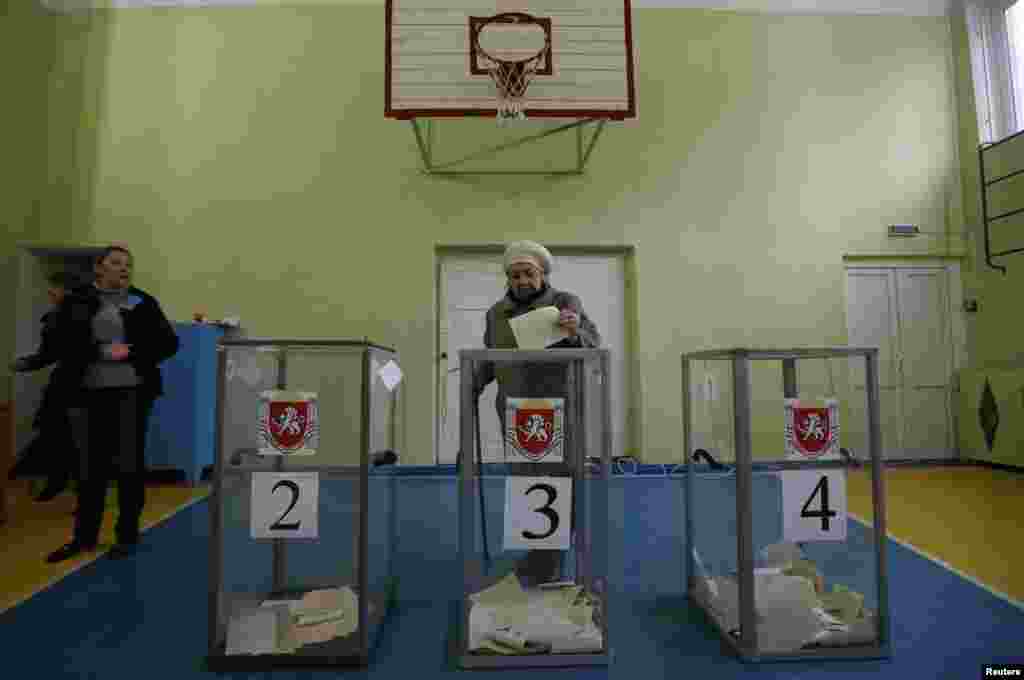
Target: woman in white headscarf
x=528 y=266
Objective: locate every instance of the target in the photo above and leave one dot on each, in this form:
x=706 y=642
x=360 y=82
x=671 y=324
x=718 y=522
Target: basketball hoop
x=511 y=35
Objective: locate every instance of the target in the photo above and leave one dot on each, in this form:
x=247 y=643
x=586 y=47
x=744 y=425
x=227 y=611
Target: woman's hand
x=119 y=351
x=570 y=321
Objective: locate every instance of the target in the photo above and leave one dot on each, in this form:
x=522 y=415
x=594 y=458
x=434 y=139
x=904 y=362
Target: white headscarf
x=528 y=252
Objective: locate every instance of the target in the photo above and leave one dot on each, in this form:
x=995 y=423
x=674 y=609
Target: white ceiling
x=900 y=7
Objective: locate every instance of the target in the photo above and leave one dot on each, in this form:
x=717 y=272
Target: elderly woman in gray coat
x=527 y=268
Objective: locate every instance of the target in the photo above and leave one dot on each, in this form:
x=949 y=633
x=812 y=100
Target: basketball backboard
x=432 y=70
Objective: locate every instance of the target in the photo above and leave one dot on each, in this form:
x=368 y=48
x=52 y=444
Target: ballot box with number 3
x=533 y=530
x=775 y=558
x=303 y=505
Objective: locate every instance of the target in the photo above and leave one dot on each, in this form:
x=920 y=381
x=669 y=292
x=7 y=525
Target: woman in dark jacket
x=112 y=338
x=53 y=450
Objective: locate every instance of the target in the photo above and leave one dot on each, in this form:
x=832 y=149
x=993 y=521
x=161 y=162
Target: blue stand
x=181 y=427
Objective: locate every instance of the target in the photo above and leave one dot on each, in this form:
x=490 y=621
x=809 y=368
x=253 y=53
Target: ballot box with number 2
x=533 y=529
x=303 y=504
x=777 y=560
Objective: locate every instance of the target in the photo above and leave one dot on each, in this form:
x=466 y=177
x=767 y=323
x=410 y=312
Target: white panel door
x=468 y=289
x=872 y=322
x=907 y=312
x=470 y=285
x=926 y=362
x=601 y=284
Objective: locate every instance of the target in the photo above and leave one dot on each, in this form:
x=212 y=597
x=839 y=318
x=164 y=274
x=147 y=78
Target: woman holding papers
x=527 y=316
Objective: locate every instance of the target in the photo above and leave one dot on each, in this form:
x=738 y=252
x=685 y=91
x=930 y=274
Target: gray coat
x=541 y=380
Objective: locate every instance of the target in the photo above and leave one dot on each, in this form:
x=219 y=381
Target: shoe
x=55 y=486
x=122 y=550
x=72 y=549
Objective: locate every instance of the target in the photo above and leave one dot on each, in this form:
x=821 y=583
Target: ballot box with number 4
x=533 y=530
x=776 y=558
x=303 y=504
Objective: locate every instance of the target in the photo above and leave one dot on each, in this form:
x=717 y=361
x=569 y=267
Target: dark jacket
x=147 y=330
x=46 y=355
x=47 y=352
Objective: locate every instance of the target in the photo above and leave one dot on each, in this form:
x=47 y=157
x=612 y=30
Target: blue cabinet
x=182 y=425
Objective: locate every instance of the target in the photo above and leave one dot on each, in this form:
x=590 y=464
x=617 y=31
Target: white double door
x=912 y=314
x=470 y=285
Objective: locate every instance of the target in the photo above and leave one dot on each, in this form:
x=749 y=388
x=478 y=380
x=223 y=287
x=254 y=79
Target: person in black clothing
x=112 y=338
x=53 y=449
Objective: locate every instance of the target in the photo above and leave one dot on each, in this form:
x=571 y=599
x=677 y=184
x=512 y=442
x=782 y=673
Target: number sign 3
x=814 y=505
x=537 y=513
x=285 y=504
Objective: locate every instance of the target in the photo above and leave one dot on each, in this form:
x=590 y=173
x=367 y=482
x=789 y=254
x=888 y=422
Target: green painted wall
x=244 y=155
x=997 y=326
x=27 y=50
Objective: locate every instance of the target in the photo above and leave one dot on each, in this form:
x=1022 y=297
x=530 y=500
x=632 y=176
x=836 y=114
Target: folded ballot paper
x=538 y=329
x=792 y=608
x=505 y=619
x=282 y=626
x=255 y=631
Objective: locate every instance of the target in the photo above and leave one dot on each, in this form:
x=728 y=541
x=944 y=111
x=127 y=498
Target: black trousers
x=111 y=433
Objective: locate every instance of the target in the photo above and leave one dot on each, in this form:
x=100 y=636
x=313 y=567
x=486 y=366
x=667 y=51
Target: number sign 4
x=285 y=504
x=537 y=513
x=813 y=505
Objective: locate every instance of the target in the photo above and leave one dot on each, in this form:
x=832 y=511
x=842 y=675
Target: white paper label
x=813 y=505
x=390 y=374
x=538 y=513
x=285 y=504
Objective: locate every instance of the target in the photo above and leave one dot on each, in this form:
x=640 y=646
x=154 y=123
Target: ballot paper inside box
x=773 y=558
x=533 y=530
x=302 y=521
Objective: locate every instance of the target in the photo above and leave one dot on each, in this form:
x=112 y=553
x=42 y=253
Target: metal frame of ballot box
x=589 y=503
x=243 y=462
x=745 y=644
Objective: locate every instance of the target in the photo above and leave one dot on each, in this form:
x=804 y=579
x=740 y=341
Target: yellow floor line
x=961 y=517
x=992 y=591
x=99 y=554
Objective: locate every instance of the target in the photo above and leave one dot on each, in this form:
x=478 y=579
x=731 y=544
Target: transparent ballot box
x=785 y=519
x=303 y=504
x=533 y=526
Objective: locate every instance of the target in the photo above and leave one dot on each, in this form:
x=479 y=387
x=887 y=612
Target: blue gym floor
x=146 y=617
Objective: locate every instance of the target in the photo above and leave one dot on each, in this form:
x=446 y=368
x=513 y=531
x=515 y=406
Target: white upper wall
x=900 y=7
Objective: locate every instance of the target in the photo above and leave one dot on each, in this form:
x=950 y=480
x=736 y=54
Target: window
x=1015 y=37
x=990 y=24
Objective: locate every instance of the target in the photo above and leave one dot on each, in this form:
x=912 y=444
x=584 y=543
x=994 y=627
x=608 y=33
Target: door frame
x=633 y=434
x=951 y=265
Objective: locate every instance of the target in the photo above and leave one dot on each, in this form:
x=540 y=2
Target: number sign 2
x=814 y=505
x=537 y=513
x=285 y=505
